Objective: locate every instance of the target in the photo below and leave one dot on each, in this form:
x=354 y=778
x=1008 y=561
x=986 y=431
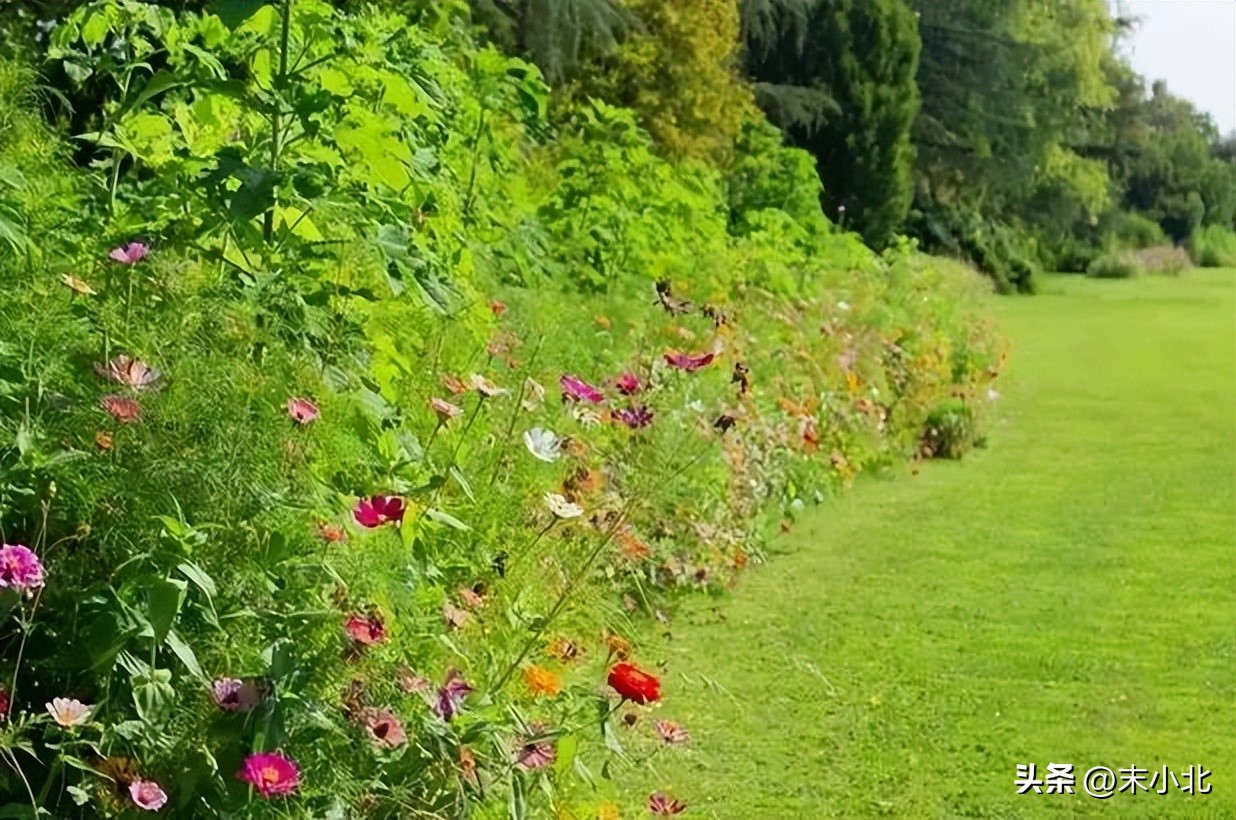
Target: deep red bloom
x=365 y=630
x=628 y=384
x=273 y=775
x=5 y=703
x=688 y=362
x=634 y=417
x=378 y=510
x=576 y=389
x=634 y=684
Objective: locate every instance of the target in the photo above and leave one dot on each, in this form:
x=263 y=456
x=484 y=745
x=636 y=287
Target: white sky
x=1192 y=45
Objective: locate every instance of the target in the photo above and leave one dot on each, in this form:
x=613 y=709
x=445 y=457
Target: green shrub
x=1135 y=232
x=950 y=431
x=1114 y=265
x=1213 y=246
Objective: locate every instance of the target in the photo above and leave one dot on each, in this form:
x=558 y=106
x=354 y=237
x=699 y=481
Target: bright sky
x=1192 y=45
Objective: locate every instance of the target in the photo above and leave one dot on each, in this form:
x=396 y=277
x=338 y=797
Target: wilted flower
x=725 y=423
x=332 y=533
x=628 y=384
x=131 y=372
x=378 y=510
x=534 y=394
x=451 y=696
x=20 y=568
x=533 y=751
x=77 y=285
x=445 y=410
x=543 y=444
x=576 y=389
x=634 y=417
x=68 y=712
x=122 y=409
x=485 y=387
x=384 y=727
x=542 y=681
x=129 y=254
x=147 y=795
x=237 y=695
x=586 y=417
x=365 y=630
x=302 y=411
x=561 y=508
x=272 y=774
x=662 y=805
x=455 y=617
x=688 y=362
x=410 y=682
x=671 y=733
x=634 y=684
x=742 y=378
x=472 y=597
x=454 y=385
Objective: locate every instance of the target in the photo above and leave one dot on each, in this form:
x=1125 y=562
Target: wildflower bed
x=348 y=501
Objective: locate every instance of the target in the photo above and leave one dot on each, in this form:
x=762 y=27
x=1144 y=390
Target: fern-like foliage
x=557 y=35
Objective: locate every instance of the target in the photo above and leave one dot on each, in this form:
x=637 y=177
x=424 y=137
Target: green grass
x=1065 y=596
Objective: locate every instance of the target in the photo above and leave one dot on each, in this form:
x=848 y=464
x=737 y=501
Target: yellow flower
x=541 y=681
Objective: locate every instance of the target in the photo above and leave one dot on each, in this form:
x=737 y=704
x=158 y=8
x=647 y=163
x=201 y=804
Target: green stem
x=276 y=118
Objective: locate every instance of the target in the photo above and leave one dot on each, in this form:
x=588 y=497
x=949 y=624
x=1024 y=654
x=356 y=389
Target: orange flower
x=740 y=559
x=542 y=682
x=851 y=381
x=632 y=547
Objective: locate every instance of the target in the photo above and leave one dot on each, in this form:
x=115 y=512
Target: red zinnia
x=688 y=362
x=634 y=684
x=365 y=630
x=378 y=510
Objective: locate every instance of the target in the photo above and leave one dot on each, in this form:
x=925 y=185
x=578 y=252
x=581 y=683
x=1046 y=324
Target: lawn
x=1067 y=595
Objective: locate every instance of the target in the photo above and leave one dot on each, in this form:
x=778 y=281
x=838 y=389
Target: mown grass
x=1068 y=595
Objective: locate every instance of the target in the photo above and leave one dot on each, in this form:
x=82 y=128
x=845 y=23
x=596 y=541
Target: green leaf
x=434 y=514
x=199 y=578
x=459 y=477
x=165 y=597
x=233 y=13
x=183 y=651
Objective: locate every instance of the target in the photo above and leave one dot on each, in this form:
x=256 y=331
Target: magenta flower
x=122 y=408
x=629 y=384
x=129 y=254
x=272 y=774
x=451 y=695
x=534 y=751
x=662 y=805
x=302 y=411
x=236 y=695
x=688 y=362
x=384 y=727
x=576 y=389
x=378 y=510
x=147 y=795
x=634 y=417
x=20 y=569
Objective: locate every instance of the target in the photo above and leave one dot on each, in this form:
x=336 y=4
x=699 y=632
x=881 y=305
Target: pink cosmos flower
x=629 y=384
x=236 y=695
x=576 y=389
x=445 y=410
x=384 y=727
x=378 y=510
x=147 y=795
x=129 y=254
x=131 y=372
x=634 y=417
x=20 y=569
x=534 y=751
x=272 y=774
x=365 y=630
x=302 y=411
x=69 y=712
x=662 y=805
x=688 y=362
x=451 y=696
x=122 y=409
x=671 y=733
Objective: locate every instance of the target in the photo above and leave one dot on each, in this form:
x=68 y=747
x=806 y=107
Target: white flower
x=561 y=508
x=543 y=444
x=584 y=416
x=68 y=712
x=993 y=394
x=697 y=406
x=534 y=394
x=843 y=306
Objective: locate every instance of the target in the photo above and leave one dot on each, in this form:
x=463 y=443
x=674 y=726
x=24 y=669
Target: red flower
x=365 y=630
x=496 y=307
x=662 y=805
x=686 y=361
x=577 y=389
x=634 y=684
x=378 y=510
x=628 y=384
x=5 y=703
x=122 y=409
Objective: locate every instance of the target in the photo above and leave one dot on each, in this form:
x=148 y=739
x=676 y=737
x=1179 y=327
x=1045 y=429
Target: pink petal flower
x=662 y=805
x=122 y=409
x=131 y=372
x=671 y=733
x=634 y=417
x=384 y=727
x=688 y=362
x=576 y=389
x=451 y=696
x=378 y=510
x=129 y=254
x=445 y=410
x=534 y=751
x=272 y=774
x=20 y=569
x=302 y=411
x=629 y=384
x=237 y=695
x=147 y=795
x=365 y=630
